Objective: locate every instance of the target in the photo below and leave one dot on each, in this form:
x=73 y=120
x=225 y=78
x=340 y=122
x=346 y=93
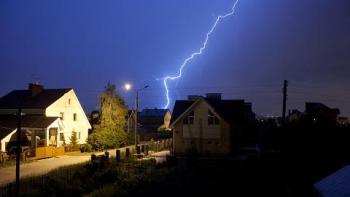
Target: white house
x=49 y=105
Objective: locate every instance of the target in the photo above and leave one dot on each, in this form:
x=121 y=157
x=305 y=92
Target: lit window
x=189 y=119
x=212 y=119
x=61 y=115
x=75 y=117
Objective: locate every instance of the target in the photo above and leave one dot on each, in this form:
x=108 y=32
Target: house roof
x=154 y=112
x=337 y=184
x=231 y=111
x=312 y=107
x=24 y=98
x=9 y=123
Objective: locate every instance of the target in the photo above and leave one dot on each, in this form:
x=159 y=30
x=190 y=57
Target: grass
x=185 y=177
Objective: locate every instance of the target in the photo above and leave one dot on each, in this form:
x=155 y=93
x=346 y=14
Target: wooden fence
x=48 y=151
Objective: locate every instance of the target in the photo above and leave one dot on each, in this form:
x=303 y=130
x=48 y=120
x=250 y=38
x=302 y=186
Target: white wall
x=5 y=140
x=69 y=104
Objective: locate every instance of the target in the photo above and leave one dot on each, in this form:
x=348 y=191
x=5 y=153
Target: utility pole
x=136 y=113
x=18 y=150
x=285 y=89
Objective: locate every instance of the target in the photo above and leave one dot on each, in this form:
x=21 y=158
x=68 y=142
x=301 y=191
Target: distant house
x=320 y=114
x=209 y=125
x=153 y=120
x=343 y=121
x=335 y=185
x=152 y=123
x=56 y=111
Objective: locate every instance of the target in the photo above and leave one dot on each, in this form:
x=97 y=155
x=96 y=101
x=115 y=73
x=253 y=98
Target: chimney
x=214 y=96
x=35 y=89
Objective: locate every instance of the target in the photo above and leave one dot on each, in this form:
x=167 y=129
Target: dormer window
x=212 y=119
x=189 y=119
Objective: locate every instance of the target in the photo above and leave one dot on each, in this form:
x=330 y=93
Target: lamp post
x=128 y=87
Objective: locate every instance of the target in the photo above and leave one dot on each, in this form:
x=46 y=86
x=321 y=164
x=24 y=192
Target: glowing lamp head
x=127 y=86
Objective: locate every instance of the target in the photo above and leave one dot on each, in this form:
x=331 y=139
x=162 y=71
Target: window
x=212 y=119
x=75 y=117
x=189 y=119
x=61 y=136
x=68 y=101
x=61 y=115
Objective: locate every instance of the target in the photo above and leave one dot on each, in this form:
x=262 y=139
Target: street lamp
x=128 y=87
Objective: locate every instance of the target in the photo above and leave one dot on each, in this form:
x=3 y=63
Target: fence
x=144 y=148
x=48 y=151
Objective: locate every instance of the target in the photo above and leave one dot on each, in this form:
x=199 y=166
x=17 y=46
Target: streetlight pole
x=136 y=114
x=18 y=150
x=129 y=87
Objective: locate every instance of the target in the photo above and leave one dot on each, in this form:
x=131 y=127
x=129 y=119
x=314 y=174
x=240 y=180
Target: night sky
x=84 y=44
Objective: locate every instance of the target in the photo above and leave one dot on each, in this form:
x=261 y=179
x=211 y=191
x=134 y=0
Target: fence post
x=106 y=155
x=142 y=148
x=138 y=150
x=93 y=157
x=127 y=152
x=146 y=149
x=117 y=155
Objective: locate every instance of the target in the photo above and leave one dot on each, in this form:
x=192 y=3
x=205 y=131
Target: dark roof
x=232 y=111
x=315 y=107
x=9 y=123
x=336 y=184
x=24 y=98
x=179 y=108
x=154 y=112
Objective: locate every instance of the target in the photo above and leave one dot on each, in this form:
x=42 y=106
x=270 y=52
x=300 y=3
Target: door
x=53 y=132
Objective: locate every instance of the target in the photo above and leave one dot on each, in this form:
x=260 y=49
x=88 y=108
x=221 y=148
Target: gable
x=192 y=105
x=69 y=104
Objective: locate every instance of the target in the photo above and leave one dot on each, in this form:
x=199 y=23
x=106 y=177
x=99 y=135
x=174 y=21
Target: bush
x=86 y=148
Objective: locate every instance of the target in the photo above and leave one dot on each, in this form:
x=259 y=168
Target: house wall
x=60 y=129
x=167 y=119
x=6 y=140
x=205 y=138
x=69 y=104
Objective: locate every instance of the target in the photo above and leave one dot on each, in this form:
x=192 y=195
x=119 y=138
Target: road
x=40 y=167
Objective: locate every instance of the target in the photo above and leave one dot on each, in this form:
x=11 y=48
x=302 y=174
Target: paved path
x=160 y=157
x=40 y=167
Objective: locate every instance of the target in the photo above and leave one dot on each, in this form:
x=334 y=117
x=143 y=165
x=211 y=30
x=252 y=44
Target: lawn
x=176 y=177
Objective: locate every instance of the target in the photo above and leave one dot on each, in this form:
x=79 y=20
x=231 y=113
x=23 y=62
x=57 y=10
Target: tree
x=110 y=132
x=74 y=138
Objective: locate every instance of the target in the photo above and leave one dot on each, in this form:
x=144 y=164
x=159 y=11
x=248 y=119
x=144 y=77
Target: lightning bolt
x=196 y=53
